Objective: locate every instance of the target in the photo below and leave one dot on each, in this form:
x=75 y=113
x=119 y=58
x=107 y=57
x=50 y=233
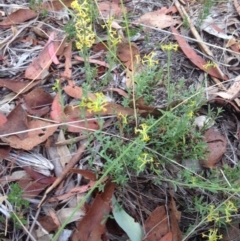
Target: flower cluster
x=213 y=214
x=209 y=65
x=95 y=105
x=143 y=132
x=144 y=159
x=84 y=33
x=169 y=47
x=229 y=209
x=212 y=235
x=114 y=36
x=149 y=59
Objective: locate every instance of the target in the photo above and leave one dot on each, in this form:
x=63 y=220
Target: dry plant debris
x=110 y=125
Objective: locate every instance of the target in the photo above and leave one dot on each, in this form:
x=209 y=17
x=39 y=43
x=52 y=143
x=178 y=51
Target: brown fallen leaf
x=37 y=101
x=128 y=54
x=76 y=92
x=41 y=130
x=217 y=145
x=72 y=192
x=111 y=8
x=48 y=223
x=92 y=226
x=38 y=69
x=34 y=183
x=17 y=86
x=157 y=19
x=19 y=16
x=16 y=121
x=175 y=217
x=167 y=237
x=4 y=151
x=22 y=15
x=70 y=114
x=86 y=173
x=194 y=58
x=156 y=225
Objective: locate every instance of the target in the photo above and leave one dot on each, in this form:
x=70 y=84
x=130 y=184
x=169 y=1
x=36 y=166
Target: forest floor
x=119 y=120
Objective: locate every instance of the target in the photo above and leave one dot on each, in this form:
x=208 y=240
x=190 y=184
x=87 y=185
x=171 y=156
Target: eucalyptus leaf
x=126 y=222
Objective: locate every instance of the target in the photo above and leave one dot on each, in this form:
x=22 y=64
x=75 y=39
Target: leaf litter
x=51 y=175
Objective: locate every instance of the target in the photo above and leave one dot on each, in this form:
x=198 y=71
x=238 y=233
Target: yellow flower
x=96 y=105
x=169 y=47
x=213 y=214
x=113 y=35
x=148 y=59
x=212 y=235
x=209 y=64
x=123 y=118
x=143 y=132
x=144 y=159
x=190 y=114
x=229 y=209
x=84 y=33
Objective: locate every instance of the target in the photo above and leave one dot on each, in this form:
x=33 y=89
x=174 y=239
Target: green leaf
x=132 y=229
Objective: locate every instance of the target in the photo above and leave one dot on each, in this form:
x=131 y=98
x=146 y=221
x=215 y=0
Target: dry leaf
x=41 y=131
x=194 y=58
x=17 y=17
x=38 y=69
x=128 y=54
x=156 y=225
x=37 y=101
x=92 y=226
x=217 y=145
x=23 y=15
x=17 y=86
x=16 y=121
x=157 y=19
x=111 y=8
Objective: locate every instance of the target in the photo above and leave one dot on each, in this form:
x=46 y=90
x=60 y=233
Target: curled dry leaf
x=39 y=131
x=157 y=19
x=217 y=145
x=128 y=54
x=16 y=121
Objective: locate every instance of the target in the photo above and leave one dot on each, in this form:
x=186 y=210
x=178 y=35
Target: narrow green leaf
x=132 y=229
